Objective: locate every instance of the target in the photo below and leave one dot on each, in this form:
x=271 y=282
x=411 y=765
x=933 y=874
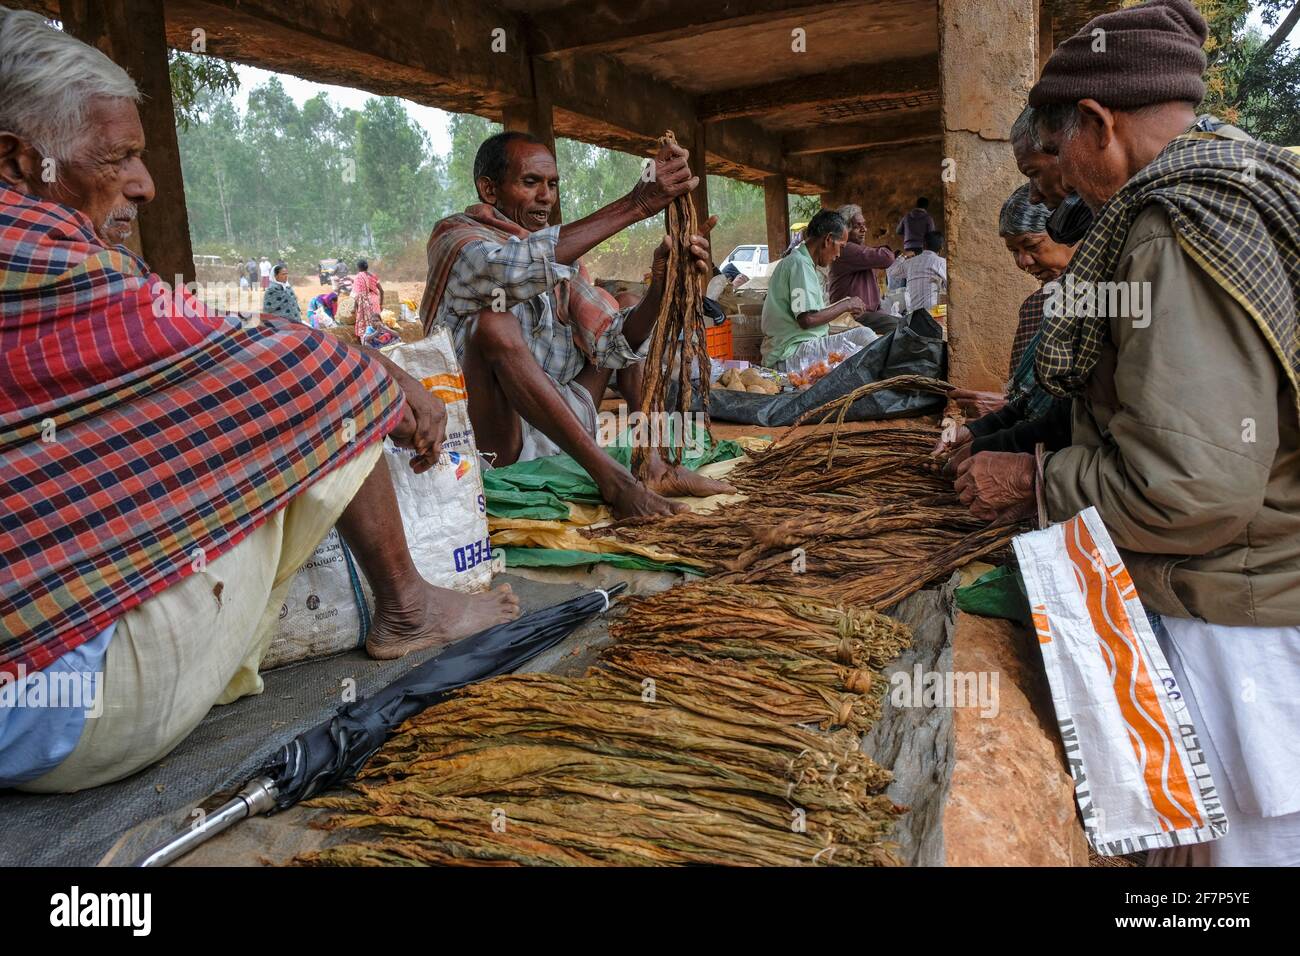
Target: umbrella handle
x=257 y=797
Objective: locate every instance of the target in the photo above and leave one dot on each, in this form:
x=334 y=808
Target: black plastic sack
x=916 y=348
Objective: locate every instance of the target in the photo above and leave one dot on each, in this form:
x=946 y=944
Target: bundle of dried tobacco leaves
x=679 y=340
x=535 y=769
x=860 y=518
x=692 y=739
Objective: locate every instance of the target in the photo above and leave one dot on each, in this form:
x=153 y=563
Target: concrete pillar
x=776 y=205
x=987 y=62
x=131 y=34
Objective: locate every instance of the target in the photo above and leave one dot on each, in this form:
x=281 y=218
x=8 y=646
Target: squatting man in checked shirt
x=538 y=343
x=164 y=473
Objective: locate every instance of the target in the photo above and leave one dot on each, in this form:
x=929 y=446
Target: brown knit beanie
x=1151 y=54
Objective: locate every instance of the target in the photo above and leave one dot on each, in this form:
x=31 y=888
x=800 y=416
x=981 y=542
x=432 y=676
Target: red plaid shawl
x=137 y=441
x=578 y=302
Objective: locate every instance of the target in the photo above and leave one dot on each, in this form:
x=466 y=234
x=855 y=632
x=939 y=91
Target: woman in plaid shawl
x=163 y=471
x=1024 y=414
x=1174 y=331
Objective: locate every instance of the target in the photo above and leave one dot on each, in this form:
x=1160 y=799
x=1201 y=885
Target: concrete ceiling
x=849 y=36
x=623 y=70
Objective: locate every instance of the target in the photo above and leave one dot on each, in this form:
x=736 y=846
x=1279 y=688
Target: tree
x=193 y=75
x=1253 y=81
x=396 y=171
x=467 y=132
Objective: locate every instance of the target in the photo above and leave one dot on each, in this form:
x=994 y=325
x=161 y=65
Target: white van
x=751 y=260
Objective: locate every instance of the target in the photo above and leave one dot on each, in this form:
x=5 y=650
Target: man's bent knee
x=498 y=337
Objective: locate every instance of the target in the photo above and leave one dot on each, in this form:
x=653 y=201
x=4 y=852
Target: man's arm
x=850 y=303
x=671 y=178
x=1194 y=438
x=500 y=275
x=860 y=258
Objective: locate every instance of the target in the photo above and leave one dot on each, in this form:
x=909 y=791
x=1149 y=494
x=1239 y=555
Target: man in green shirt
x=795 y=313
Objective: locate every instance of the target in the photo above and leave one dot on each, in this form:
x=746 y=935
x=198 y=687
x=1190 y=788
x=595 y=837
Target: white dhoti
x=199 y=642
x=1242 y=686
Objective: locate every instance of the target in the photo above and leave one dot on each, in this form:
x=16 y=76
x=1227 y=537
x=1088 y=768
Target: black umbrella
x=333 y=751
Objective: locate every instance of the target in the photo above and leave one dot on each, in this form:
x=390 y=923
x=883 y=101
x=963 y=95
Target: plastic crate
x=718 y=340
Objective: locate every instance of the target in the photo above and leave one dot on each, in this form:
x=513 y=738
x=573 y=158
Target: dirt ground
x=306 y=288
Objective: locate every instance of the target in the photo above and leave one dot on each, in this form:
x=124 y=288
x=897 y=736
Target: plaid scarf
x=1031 y=319
x=1234 y=204
x=140 y=436
x=578 y=302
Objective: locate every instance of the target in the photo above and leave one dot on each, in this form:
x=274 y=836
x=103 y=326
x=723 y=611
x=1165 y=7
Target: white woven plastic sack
x=444 y=514
x=1140 y=776
x=325 y=610
x=444 y=511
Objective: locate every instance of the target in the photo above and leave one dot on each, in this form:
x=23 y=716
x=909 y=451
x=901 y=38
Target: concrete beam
x=437 y=54
x=442 y=55
x=887 y=81
x=841 y=137
x=600 y=101
x=606 y=27
x=130 y=33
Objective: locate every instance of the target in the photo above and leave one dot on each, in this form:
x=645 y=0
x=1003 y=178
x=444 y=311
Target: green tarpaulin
x=997 y=593
x=556 y=558
x=540 y=488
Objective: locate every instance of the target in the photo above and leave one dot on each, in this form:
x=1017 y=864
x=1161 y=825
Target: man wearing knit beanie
x=1134 y=72
x=1174 y=330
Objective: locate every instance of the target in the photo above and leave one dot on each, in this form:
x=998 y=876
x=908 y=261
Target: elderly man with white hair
x=853 y=274
x=164 y=471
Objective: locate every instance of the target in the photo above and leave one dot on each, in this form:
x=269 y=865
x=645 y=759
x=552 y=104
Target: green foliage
x=318 y=181
x=191 y=76
x=467 y=131
x=306 y=183
x=1253 y=81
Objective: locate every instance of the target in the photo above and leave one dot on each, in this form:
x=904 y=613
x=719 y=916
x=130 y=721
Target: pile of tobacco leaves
x=723 y=724
x=862 y=518
x=721 y=727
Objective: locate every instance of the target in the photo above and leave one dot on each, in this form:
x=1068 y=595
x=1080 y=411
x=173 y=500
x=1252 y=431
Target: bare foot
x=433 y=616
x=681 y=482
x=635 y=500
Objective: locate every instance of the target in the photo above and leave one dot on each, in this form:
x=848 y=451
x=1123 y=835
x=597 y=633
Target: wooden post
x=1046 y=25
x=776 y=205
x=699 y=166
x=131 y=34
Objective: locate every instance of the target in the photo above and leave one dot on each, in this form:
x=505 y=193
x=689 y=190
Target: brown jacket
x=1186 y=441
